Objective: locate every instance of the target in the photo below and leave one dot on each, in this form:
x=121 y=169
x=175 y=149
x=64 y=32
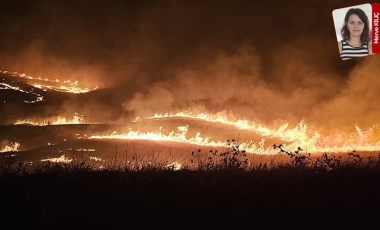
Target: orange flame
x=10 y=148
x=96 y=159
x=76 y=119
x=39 y=97
x=180 y=136
x=66 y=86
x=61 y=159
x=312 y=141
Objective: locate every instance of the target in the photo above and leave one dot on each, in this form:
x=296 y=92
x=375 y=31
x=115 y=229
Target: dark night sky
x=259 y=59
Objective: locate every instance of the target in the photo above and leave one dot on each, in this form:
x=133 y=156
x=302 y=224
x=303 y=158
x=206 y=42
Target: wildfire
x=301 y=135
x=96 y=159
x=69 y=88
x=180 y=136
x=61 y=159
x=10 y=148
x=84 y=150
x=39 y=97
x=310 y=139
x=66 y=86
x=75 y=119
x=282 y=133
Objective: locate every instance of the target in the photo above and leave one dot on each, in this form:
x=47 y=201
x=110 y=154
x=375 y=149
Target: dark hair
x=364 y=37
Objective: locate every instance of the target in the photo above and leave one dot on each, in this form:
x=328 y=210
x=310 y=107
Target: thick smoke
x=255 y=60
x=357 y=101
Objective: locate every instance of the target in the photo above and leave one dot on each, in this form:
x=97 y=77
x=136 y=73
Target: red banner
x=375 y=27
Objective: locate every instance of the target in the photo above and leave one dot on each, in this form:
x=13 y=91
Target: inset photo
x=353 y=28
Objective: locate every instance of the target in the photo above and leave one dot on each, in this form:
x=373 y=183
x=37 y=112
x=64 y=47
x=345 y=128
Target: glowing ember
x=84 y=150
x=174 y=166
x=137 y=119
x=96 y=159
x=61 y=159
x=81 y=150
x=10 y=148
x=76 y=119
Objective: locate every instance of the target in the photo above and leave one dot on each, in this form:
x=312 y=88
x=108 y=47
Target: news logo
x=357 y=30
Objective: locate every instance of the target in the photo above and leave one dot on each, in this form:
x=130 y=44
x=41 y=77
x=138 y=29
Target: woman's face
x=355 y=25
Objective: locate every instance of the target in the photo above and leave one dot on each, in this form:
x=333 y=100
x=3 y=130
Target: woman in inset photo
x=355 y=33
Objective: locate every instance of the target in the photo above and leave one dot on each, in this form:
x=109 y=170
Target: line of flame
x=61 y=159
x=76 y=119
x=10 y=148
x=297 y=136
x=39 y=97
x=180 y=136
x=282 y=133
x=47 y=84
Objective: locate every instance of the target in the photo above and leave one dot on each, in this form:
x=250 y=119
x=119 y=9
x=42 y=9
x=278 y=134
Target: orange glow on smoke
x=311 y=139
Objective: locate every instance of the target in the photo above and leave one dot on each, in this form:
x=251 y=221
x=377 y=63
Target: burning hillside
x=45 y=84
x=157 y=73
x=184 y=127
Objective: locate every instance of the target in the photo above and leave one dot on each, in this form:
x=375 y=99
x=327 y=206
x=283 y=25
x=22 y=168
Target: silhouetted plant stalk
x=328 y=162
x=231 y=159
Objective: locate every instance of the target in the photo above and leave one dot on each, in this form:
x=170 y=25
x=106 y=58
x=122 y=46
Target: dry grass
x=231 y=159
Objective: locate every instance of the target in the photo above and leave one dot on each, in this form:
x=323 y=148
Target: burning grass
x=232 y=158
x=214 y=188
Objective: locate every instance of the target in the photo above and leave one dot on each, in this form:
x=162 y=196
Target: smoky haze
x=256 y=60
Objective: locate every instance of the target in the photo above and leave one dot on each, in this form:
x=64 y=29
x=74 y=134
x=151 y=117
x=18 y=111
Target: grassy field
x=299 y=193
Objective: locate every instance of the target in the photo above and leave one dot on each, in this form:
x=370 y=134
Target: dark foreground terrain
x=344 y=198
